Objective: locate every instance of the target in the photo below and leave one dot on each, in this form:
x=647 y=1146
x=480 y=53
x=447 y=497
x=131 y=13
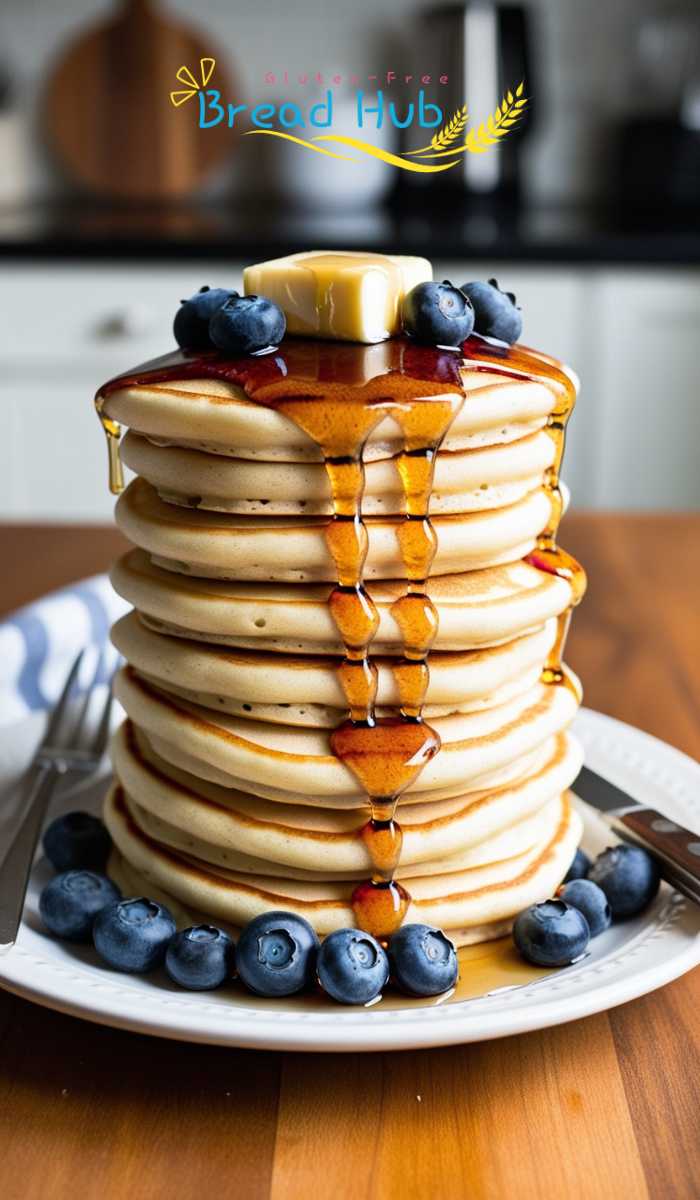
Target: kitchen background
x=111 y=208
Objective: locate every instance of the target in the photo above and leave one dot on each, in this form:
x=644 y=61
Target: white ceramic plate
x=627 y=961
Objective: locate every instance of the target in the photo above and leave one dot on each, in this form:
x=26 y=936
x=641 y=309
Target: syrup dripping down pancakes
x=344 y=691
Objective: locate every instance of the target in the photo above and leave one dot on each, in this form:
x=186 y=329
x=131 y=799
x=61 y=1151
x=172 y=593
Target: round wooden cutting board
x=107 y=111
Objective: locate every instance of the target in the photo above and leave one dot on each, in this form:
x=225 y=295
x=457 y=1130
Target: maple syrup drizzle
x=112 y=431
x=335 y=393
x=548 y=556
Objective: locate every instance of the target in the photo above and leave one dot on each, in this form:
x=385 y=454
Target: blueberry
x=71 y=901
x=496 y=313
x=247 y=324
x=629 y=876
x=352 y=967
x=580 y=866
x=191 y=325
x=133 y=935
x=423 y=961
x=200 y=958
x=437 y=314
x=588 y=898
x=551 y=934
x=76 y=839
x=276 y=954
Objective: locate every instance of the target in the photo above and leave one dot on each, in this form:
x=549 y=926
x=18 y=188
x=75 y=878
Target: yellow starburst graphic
x=191 y=85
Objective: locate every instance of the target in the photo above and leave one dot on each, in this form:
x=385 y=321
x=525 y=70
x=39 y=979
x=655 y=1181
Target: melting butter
x=348 y=296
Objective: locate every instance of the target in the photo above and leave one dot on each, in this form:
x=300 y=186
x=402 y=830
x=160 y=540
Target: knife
x=675 y=848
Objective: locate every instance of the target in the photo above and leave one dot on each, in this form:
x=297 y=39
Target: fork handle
x=17 y=863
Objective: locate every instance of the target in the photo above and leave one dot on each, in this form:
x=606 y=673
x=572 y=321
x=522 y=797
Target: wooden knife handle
x=676 y=849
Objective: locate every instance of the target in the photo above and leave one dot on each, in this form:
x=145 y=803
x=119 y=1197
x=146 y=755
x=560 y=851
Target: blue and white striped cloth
x=39 y=642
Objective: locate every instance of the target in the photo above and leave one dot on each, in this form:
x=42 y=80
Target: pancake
x=215 y=416
x=465 y=481
x=478 y=608
x=458 y=902
x=133 y=883
x=292 y=763
x=517 y=839
x=228 y=800
x=289 y=549
x=237 y=829
x=305 y=690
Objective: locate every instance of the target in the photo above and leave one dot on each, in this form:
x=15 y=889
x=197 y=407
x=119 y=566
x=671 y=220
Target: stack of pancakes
x=228 y=800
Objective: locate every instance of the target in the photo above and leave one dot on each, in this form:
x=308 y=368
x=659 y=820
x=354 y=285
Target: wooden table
x=605 y=1107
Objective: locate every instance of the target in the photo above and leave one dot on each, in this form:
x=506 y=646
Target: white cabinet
x=83 y=317
x=59 y=458
x=67 y=329
x=643 y=438
x=553 y=300
x=632 y=335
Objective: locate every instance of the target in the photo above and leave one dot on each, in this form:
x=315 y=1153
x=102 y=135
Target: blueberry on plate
x=551 y=934
x=191 y=325
x=437 y=314
x=588 y=898
x=352 y=967
x=71 y=901
x=276 y=954
x=423 y=961
x=200 y=958
x=629 y=876
x=76 y=839
x=580 y=866
x=496 y=313
x=247 y=325
x=133 y=934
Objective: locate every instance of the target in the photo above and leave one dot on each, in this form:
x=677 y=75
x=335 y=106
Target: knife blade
x=675 y=848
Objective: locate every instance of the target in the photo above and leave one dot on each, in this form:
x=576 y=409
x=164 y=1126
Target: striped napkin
x=39 y=642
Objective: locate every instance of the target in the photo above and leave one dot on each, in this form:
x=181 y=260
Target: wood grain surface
x=605 y=1107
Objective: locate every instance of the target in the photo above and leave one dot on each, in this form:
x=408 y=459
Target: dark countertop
x=156 y=233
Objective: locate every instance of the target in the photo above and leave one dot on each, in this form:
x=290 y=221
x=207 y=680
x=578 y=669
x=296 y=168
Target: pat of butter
x=348 y=295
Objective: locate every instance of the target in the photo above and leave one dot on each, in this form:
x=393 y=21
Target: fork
x=60 y=755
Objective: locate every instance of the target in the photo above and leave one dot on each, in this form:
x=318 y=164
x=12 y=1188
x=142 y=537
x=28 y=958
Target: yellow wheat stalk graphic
x=451 y=131
x=500 y=123
x=479 y=139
